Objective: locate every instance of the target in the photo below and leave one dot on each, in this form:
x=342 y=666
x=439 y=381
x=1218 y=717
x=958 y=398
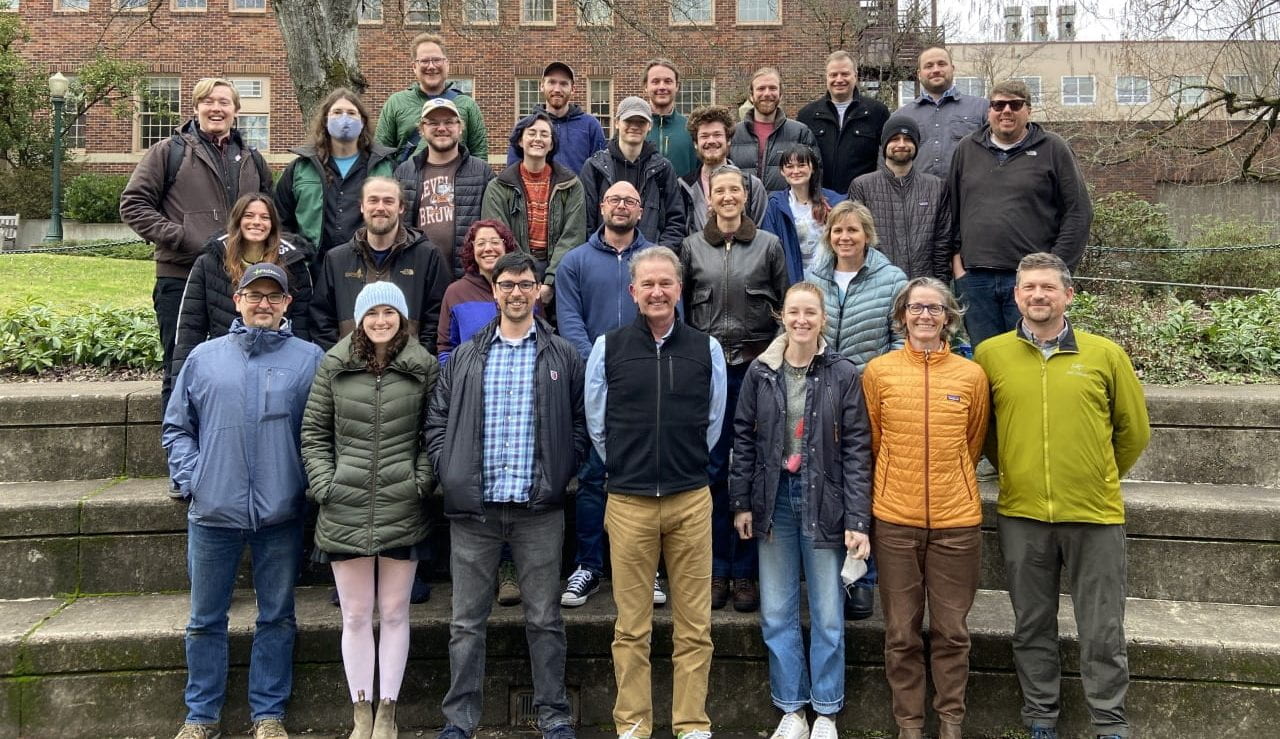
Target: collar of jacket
x=749 y=123
x=642 y=325
x=874 y=262
x=192 y=129
x=484 y=337
x=647 y=150
x=420 y=159
x=407 y=362
x=572 y=112
x=260 y=340
x=1066 y=344
x=1035 y=134
x=638 y=242
x=745 y=233
x=668 y=118
x=775 y=355
x=894 y=179
x=425 y=96
x=561 y=176
x=919 y=356
x=361 y=240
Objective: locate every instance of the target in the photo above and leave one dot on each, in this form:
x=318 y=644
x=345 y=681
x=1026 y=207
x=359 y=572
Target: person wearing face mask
x=318 y=195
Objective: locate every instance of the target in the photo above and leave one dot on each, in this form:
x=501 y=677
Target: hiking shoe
x=269 y=728
x=746 y=595
x=792 y=726
x=508 y=587
x=583 y=584
x=824 y=727
x=198 y=731
x=1044 y=732
x=452 y=732
x=719 y=592
x=563 y=731
x=659 y=597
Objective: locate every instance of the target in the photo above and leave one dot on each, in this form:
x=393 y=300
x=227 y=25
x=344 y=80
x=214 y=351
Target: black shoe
x=333 y=598
x=746 y=596
x=859 y=603
x=421 y=591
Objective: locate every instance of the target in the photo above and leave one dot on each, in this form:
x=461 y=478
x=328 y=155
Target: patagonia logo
x=924 y=203
x=1031 y=153
x=955 y=398
x=407 y=271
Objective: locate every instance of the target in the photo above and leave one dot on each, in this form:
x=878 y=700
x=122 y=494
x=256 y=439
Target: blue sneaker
x=452 y=732
x=1044 y=732
x=563 y=731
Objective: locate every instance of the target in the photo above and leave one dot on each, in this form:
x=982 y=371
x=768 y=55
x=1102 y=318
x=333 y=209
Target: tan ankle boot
x=384 y=726
x=363 y=719
x=948 y=731
x=904 y=733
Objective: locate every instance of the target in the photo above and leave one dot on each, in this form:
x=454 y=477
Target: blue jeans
x=213 y=556
x=536 y=539
x=730 y=555
x=987 y=295
x=589 y=513
x=783 y=557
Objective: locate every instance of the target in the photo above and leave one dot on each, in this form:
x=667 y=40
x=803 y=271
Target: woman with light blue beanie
x=369 y=477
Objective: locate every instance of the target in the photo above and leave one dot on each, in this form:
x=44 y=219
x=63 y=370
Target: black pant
x=166 y=298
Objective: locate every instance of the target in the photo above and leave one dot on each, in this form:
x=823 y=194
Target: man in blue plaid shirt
x=505 y=431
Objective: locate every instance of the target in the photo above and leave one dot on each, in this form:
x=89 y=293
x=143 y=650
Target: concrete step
x=1210 y=543
x=1199 y=669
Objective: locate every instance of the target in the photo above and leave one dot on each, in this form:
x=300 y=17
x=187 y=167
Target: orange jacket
x=929 y=415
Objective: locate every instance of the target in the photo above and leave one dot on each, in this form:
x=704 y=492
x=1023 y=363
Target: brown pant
x=941 y=564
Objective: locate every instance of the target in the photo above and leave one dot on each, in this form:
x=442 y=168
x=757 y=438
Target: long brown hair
x=362 y=348
x=319 y=139
x=234 y=259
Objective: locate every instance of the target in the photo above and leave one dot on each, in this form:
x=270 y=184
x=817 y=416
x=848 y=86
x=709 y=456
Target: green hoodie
x=403 y=110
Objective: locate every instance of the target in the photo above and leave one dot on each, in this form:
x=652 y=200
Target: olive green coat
x=360 y=444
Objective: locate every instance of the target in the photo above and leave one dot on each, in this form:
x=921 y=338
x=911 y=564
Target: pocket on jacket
x=198 y=226
x=278 y=396
x=762 y=305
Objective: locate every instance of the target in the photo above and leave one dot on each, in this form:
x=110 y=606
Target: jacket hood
x=1035 y=134
x=259 y=340
x=745 y=233
x=288 y=250
x=573 y=112
x=647 y=150
x=596 y=240
x=420 y=159
x=377 y=152
x=774 y=356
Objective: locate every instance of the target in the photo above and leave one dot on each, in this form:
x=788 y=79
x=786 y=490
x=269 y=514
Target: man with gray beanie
x=910 y=207
x=629 y=157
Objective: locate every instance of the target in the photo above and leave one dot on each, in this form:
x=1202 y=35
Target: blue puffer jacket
x=232 y=427
x=859 y=322
x=779 y=221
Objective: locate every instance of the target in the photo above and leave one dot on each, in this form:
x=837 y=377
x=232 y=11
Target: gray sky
x=983 y=20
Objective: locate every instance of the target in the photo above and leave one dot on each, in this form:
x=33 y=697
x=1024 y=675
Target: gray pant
x=1093 y=555
x=535 y=540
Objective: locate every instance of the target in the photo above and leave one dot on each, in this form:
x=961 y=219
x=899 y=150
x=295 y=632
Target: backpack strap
x=172 y=163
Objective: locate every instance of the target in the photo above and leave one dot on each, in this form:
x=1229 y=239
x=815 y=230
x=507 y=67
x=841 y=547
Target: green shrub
x=34 y=337
x=1251 y=268
x=1122 y=220
x=27 y=192
x=94 y=198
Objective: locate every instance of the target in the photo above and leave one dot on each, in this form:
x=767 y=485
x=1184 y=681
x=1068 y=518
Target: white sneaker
x=793 y=726
x=659 y=597
x=824 y=728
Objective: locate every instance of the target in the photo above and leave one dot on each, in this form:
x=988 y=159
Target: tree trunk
x=320 y=46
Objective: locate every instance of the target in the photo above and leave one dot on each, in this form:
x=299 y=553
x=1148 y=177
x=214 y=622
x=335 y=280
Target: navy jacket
x=779 y=221
x=578 y=136
x=591 y=291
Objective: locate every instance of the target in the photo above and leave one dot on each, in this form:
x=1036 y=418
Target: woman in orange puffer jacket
x=929 y=411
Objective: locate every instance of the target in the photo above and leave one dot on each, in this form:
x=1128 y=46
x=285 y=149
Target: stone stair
x=93 y=602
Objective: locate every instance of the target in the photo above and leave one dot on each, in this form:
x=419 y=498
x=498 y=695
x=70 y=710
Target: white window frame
x=471 y=10
x=140 y=118
x=1078 y=99
x=965 y=85
x=776 y=6
x=70 y=103
x=431 y=8
x=130 y=6
x=70 y=6
x=527 y=86
x=236 y=6
x=906 y=92
x=254 y=103
x=1240 y=84
x=684 y=103
x=1187 y=90
x=528 y=5
x=601 y=109
x=464 y=85
x=176 y=6
x=370 y=12
x=683 y=19
x=1129 y=86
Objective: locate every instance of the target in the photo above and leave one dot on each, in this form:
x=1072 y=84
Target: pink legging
x=354 y=578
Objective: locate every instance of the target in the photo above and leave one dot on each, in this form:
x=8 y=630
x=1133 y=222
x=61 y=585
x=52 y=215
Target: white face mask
x=345 y=127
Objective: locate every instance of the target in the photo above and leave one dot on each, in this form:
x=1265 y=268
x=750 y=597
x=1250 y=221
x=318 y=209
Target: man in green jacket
x=1070 y=421
x=670 y=131
x=398 y=121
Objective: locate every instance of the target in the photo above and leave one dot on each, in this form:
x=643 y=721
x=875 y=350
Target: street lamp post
x=58 y=92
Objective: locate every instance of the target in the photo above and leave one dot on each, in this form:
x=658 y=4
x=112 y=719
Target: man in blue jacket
x=592 y=295
x=231 y=431
x=579 y=135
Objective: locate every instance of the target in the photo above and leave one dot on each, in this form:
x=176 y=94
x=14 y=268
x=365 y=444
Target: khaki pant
x=679 y=528
x=940 y=567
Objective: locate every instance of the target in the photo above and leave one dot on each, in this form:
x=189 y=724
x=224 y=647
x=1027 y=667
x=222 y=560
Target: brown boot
x=948 y=731
x=904 y=733
x=746 y=596
x=363 y=719
x=384 y=726
x=719 y=592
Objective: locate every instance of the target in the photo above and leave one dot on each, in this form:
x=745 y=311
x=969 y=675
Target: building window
x=528 y=95
x=74 y=133
x=974 y=86
x=759 y=11
x=190 y=5
x=1077 y=91
x=71 y=5
x=131 y=6
x=538 y=11
x=369 y=11
x=595 y=13
x=480 y=11
x=1133 y=90
x=12 y=6
x=694 y=93
x=1188 y=91
x=158 y=110
x=248 y=5
x=695 y=12
x=600 y=102
x=464 y=85
x=254 y=118
x=906 y=91
x=1033 y=87
x=255 y=129
x=1240 y=84
x=422 y=13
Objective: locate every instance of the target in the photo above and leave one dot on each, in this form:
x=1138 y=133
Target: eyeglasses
x=255 y=298
x=430 y=61
x=616 y=200
x=508 y=286
x=933 y=309
x=1014 y=105
x=450 y=123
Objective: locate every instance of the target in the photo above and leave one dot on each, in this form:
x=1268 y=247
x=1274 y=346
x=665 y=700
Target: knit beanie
x=380 y=293
x=899 y=124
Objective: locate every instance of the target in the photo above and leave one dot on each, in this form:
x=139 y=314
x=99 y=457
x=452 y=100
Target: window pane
x=248 y=4
x=1132 y=90
x=1077 y=91
x=906 y=91
x=694 y=93
x=189 y=4
x=423 y=13
x=127 y=4
x=756 y=11
x=595 y=12
x=73 y=126
x=691 y=11
x=464 y=85
x=73 y=4
x=255 y=129
x=527 y=96
x=975 y=86
x=480 y=11
x=1033 y=86
x=1186 y=90
x=370 y=10
x=1240 y=84
x=248 y=88
x=159 y=112
x=537 y=11
x=601 y=102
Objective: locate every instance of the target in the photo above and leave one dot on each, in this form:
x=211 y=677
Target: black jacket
x=415 y=266
x=913 y=219
x=744 y=148
x=851 y=150
x=468 y=193
x=837 y=443
x=663 y=219
x=454 y=430
x=207 y=307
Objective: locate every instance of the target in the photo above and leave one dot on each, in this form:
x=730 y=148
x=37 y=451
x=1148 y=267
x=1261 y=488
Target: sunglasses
x=1014 y=105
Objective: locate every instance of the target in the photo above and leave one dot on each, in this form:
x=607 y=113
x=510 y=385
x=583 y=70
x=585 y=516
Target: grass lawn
x=66 y=282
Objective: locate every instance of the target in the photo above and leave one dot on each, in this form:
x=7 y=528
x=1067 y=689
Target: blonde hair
x=843 y=210
x=204 y=88
x=805 y=287
x=427 y=38
x=950 y=306
x=762 y=72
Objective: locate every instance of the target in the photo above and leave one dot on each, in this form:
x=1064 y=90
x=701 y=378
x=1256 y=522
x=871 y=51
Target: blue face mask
x=345 y=127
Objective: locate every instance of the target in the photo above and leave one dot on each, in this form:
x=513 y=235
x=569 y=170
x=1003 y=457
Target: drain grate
x=524 y=714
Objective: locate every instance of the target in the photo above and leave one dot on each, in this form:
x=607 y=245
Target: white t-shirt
x=843 y=279
x=840 y=109
x=807 y=229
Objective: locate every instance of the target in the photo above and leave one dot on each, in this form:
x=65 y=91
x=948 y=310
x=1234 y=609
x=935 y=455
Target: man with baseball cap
x=630 y=157
x=578 y=134
x=443 y=184
x=911 y=209
x=232 y=434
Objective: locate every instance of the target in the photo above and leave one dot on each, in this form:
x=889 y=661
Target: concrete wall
x=1254 y=202
x=31 y=231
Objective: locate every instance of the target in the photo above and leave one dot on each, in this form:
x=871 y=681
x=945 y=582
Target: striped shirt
x=509 y=418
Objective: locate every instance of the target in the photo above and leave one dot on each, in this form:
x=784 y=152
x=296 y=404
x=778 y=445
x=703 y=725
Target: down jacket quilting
x=858 y=323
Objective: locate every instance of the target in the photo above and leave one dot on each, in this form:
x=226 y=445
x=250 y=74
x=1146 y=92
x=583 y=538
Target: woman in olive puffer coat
x=369 y=475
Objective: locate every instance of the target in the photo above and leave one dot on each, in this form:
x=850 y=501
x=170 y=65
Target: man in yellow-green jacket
x=1070 y=421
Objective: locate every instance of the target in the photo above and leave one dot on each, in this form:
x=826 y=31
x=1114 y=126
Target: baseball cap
x=437 y=104
x=558 y=67
x=634 y=107
x=265 y=270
